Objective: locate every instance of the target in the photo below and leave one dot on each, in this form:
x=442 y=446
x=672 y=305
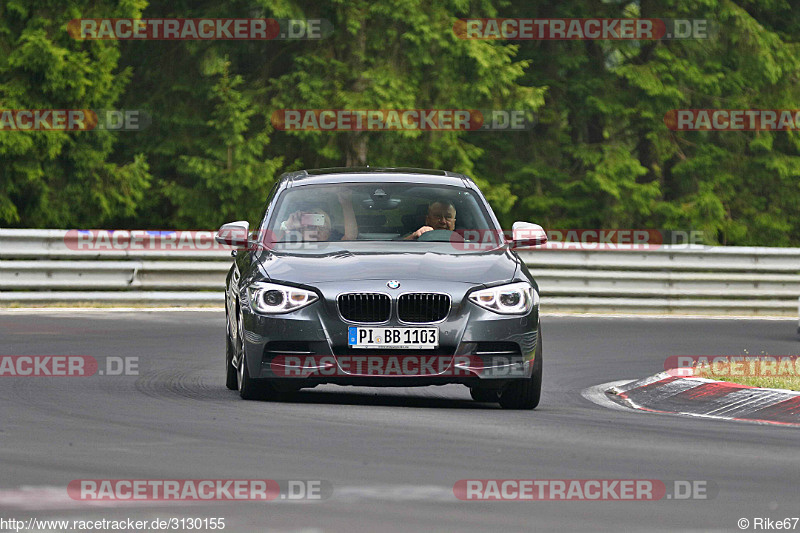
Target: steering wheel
x=442 y=235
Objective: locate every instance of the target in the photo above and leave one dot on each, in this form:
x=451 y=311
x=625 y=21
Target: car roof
x=373 y=174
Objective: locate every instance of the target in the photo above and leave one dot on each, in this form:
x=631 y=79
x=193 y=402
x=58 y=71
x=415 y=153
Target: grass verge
x=765 y=373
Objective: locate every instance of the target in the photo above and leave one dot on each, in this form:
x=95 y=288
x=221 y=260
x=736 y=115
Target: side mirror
x=526 y=234
x=234 y=234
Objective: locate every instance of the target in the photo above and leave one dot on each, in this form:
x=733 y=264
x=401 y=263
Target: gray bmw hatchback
x=382 y=277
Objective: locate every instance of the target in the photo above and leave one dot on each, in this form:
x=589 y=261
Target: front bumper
x=476 y=346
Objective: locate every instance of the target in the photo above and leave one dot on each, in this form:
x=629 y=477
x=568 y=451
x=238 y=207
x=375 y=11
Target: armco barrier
x=37 y=267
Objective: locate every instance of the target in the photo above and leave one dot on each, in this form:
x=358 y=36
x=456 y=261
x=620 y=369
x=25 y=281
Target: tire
x=526 y=393
x=246 y=385
x=484 y=395
x=249 y=388
x=230 y=371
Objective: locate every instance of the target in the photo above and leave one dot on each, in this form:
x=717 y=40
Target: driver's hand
x=420 y=231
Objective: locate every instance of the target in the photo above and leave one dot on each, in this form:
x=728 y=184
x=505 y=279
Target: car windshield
x=376 y=212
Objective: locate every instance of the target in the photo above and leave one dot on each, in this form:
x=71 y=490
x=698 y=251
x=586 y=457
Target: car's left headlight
x=271 y=299
x=512 y=299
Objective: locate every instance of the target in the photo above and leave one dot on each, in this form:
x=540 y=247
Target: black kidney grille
x=423 y=307
x=365 y=307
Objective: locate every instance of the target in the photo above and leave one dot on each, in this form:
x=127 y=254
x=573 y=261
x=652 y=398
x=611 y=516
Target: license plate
x=402 y=338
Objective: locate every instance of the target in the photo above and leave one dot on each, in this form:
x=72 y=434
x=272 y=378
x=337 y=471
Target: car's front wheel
x=248 y=388
x=246 y=385
x=526 y=393
x=231 y=380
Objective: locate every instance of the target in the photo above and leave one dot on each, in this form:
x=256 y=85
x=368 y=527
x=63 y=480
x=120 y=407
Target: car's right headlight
x=512 y=299
x=273 y=299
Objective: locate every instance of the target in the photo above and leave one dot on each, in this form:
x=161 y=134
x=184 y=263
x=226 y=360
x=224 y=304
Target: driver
x=441 y=215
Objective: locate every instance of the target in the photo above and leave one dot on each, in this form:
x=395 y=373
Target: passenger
x=317 y=225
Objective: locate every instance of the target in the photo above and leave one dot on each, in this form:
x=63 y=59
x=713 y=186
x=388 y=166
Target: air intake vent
x=365 y=307
x=423 y=307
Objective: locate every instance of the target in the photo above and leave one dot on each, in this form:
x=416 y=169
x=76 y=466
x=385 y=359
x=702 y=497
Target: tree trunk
x=356 y=148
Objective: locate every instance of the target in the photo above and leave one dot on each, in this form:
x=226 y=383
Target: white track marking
x=597 y=394
x=72 y=310
x=18 y=310
x=676 y=316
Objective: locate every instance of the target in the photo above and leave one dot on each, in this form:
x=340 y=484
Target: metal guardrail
x=39 y=266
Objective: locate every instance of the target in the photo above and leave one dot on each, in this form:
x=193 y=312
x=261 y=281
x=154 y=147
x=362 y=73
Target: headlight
x=271 y=299
x=512 y=299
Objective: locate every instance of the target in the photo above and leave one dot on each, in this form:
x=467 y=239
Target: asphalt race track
x=391 y=455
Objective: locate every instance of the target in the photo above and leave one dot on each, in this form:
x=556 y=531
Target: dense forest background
x=599 y=156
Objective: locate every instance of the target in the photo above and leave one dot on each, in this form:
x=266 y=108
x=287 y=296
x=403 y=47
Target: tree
x=231 y=176
x=61 y=178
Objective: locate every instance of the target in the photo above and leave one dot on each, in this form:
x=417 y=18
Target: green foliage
x=600 y=154
x=231 y=176
x=62 y=179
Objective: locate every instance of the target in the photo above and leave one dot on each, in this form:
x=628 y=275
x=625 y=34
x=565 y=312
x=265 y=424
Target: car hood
x=387 y=261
